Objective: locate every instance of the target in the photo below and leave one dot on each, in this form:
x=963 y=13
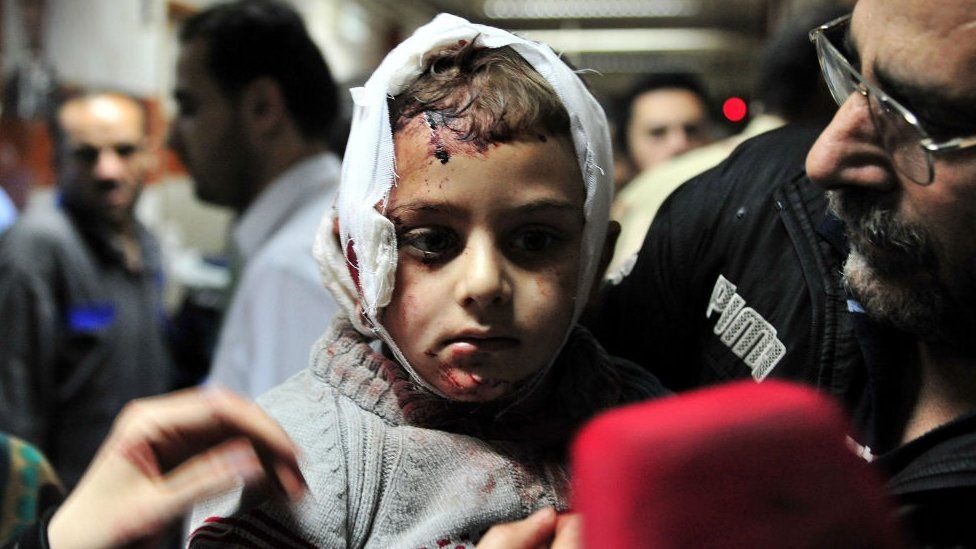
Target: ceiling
x=718 y=39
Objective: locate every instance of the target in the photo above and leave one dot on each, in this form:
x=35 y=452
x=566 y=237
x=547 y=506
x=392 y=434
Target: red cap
x=742 y=465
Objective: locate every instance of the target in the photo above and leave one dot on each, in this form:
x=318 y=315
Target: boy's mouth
x=464 y=356
x=475 y=344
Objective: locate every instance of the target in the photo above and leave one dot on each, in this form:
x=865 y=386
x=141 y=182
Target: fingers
x=569 y=532
x=529 y=533
x=166 y=453
x=211 y=473
x=181 y=424
x=275 y=449
x=206 y=413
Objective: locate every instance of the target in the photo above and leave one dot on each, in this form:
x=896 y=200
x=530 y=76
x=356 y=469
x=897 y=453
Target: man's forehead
x=191 y=63
x=193 y=77
x=99 y=118
x=931 y=43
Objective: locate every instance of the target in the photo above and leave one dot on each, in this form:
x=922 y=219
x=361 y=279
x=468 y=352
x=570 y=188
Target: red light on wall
x=734 y=109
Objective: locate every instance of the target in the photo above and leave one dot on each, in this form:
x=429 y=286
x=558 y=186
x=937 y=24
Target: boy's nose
x=849 y=151
x=483 y=280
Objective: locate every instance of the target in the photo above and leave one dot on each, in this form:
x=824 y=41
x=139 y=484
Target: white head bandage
x=368 y=238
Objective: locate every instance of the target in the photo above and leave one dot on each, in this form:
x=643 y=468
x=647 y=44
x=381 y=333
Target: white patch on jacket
x=743 y=330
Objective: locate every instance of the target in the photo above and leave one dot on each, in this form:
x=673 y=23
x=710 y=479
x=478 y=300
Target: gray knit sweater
x=389 y=465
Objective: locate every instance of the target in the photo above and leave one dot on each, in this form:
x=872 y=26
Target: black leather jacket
x=736 y=279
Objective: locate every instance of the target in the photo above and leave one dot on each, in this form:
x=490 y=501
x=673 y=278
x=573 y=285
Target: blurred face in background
x=103 y=159
x=207 y=133
x=665 y=123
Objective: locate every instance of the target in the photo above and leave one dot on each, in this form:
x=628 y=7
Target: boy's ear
x=263 y=108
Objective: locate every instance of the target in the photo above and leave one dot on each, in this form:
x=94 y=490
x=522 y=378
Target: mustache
x=875 y=230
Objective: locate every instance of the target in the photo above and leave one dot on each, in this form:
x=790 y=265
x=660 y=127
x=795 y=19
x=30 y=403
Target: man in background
x=80 y=291
x=256 y=107
x=663 y=116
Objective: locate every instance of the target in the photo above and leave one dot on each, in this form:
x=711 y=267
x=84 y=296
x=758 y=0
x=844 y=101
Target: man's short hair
x=250 y=39
x=654 y=82
x=484 y=94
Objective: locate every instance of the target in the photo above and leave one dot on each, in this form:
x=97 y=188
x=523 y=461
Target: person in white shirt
x=256 y=107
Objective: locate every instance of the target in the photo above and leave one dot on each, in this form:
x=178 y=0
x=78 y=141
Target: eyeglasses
x=909 y=146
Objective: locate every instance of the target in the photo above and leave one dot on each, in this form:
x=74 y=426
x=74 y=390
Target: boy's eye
x=429 y=243
x=534 y=240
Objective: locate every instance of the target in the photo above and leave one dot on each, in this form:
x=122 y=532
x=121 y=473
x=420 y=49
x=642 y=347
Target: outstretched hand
x=163 y=455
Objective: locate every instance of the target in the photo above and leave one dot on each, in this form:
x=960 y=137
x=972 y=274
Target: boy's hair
x=483 y=94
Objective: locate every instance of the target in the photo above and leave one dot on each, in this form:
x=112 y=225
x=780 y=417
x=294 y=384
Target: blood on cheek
x=542 y=287
x=554 y=281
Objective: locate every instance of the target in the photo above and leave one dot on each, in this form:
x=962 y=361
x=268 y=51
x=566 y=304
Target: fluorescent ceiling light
x=585 y=9
x=639 y=40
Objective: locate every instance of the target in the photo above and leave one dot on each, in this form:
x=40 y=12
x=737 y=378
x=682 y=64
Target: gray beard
x=912 y=307
x=892 y=268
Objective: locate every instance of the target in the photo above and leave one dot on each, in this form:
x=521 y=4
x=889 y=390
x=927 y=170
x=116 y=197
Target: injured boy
x=470 y=222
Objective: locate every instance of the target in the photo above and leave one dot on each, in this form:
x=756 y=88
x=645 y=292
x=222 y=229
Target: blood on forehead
x=444 y=137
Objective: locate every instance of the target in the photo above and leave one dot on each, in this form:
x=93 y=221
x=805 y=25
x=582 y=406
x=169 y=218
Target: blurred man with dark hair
x=663 y=115
x=80 y=291
x=256 y=109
